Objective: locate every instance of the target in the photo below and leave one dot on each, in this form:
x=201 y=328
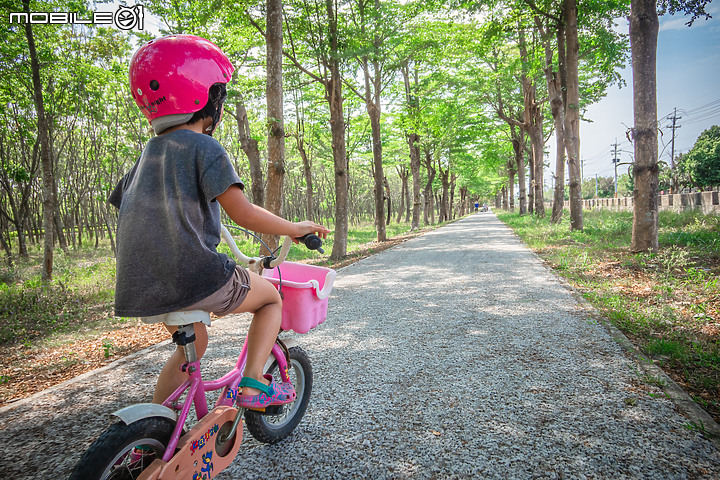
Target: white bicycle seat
x=180 y=318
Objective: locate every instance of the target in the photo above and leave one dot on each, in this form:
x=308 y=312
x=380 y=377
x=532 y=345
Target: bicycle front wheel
x=123 y=451
x=273 y=428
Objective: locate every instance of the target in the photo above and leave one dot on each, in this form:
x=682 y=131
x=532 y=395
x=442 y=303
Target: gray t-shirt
x=169 y=225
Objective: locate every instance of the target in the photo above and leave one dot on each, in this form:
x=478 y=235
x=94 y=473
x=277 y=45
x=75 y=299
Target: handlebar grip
x=312 y=242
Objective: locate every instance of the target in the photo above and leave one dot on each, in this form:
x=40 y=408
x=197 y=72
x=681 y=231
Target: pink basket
x=305 y=291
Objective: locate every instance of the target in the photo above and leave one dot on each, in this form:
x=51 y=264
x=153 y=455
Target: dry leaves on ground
x=28 y=370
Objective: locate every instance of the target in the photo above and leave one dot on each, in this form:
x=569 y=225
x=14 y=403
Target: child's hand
x=303 y=228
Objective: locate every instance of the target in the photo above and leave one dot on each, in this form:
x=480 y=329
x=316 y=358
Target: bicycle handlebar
x=311 y=241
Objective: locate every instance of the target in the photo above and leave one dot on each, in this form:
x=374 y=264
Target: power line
x=708 y=106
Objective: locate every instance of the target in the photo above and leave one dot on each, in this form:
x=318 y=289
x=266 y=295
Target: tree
x=276 y=124
x=319 y=44
x=409 y=69
x=702 y=163
x=562 y=35
x=374 y=30
x=644 y=27
x=514 y=63
x=45 y=152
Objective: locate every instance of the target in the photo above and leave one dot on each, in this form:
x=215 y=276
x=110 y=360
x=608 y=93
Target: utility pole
x=596 y=187
x=615 y=160
x=674 y=127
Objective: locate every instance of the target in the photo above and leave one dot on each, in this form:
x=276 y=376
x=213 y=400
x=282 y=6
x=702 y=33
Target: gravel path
x=455 y=355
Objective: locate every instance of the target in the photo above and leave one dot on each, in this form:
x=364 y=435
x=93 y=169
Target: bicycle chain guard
x=200 y=452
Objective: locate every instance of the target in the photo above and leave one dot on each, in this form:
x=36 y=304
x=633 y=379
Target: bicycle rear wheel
x=123 y=451
x=273 y=428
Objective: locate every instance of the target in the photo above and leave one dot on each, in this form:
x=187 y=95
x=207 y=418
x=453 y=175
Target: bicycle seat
x=180 y=318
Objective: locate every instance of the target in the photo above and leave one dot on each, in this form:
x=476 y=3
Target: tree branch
x=533 y=6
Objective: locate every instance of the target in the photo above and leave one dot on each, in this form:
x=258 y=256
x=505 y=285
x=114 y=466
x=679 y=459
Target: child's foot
x=273 y=394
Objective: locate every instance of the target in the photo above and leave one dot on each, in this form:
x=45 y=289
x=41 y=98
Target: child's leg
x=264 y=301
x=171 y=377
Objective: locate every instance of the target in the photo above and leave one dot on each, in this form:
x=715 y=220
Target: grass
x=81 y=291
x=667 y=303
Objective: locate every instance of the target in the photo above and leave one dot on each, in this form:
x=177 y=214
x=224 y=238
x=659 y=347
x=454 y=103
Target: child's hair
x=213 y=108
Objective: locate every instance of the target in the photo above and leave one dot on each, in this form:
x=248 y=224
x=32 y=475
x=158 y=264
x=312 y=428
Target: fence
x=707 y=202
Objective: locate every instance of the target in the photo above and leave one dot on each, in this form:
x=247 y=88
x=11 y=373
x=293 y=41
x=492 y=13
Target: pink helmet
x=170 y=77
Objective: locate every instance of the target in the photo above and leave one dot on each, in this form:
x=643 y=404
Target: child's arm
x=257 y=219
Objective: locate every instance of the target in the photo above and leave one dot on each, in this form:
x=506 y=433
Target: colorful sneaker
x=273 y=394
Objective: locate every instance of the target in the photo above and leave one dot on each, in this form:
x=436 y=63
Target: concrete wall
x=707 y=202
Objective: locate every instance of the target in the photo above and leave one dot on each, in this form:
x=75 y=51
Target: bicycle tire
x=273 y=428
x=113 y=456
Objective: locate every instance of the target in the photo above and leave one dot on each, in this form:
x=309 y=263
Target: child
x=169 y=214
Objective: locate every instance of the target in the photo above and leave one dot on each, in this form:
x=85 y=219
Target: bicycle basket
x=305 y=291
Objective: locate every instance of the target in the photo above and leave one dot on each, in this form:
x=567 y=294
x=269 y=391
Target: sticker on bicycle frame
x=200 y=442
x=204 y=473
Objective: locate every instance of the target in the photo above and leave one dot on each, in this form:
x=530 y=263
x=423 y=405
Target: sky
x=688 y=78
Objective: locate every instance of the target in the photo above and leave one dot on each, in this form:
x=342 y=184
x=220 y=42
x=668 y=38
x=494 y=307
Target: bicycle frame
x=195 y=390
x=210 y=444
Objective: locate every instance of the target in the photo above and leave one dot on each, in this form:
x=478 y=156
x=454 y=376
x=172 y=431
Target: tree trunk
x=408 y=207
x=555 y=84
x=453 y=184
x=108 y=228
x=333 y=93
x=276 y=131
x=644 y=26
x=429 y=197
x=463 y=201
x=533 y=123
x=307 y=173
x=572 y=116
x=531 y=190
x=413 y=140
x=373 y=109
x=250 y=146
x=58 y=222
x=518 y=149
x=404 y=173
x=5 y=229
x=373 y=106
x=444 y=206
x=388 y=198
x=511 y=166
x=538 y=143
x=45 y=153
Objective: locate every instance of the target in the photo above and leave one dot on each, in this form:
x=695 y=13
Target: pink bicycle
x=156 y=442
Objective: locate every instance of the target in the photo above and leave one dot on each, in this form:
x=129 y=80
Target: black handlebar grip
x=312 y=242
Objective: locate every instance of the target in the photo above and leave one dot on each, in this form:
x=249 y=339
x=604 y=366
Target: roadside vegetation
x=667 y=303
x=50 y=332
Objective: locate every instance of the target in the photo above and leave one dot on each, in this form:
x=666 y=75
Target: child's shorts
x=229 y=297
x=224 y=301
